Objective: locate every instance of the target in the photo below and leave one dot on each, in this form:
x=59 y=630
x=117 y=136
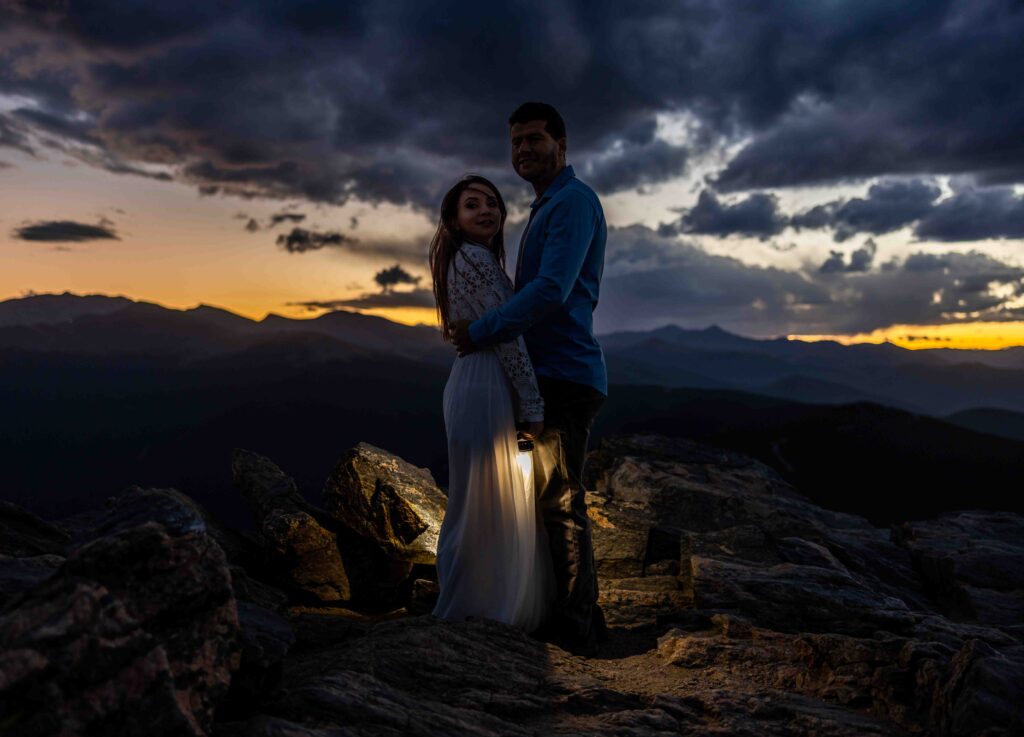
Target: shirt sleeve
x=569 y=231
x=485 y=285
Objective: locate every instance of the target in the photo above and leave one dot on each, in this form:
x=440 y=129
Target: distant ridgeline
x=101 y=392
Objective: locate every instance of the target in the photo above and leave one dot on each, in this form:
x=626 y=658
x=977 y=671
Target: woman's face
x=479 y=218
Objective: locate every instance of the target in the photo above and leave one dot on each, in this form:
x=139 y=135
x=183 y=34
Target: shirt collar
x=560 y=181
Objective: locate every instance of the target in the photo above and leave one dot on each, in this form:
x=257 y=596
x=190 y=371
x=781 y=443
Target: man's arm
x=571 y=226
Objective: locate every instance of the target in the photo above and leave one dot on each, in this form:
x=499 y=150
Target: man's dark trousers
x=558 y=458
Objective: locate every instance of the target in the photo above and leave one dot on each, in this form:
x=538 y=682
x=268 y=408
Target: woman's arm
x=485 y=284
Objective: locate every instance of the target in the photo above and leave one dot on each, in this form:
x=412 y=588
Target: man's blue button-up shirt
x=558 y=275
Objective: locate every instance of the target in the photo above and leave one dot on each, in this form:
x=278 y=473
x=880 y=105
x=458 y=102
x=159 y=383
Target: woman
x=492 y=554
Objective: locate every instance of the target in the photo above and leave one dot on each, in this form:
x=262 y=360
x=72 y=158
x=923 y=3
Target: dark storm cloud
x=107 y=161
x=971 y=213
x=12 y=135
x=392 y=101
x=388 y=278
x=651 y=280
x=757 y=215
x=925 y=262
x=65 y=231
x=274 y=220
x=666 y=280
x=974 y=214
x=68 y=136
x=286 y=217
x=874 y=88
x=632 y=164
x=889 y=205
x=414 y=298
x=76 y=130
x=300 y=240
x=860 y=260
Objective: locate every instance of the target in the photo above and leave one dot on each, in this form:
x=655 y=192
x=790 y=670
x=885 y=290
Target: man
x=558 y=273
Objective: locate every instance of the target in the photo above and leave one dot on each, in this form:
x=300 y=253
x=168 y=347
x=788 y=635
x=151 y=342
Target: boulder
x=972 y=563
x=388 y=500
x=679 y=525
x=982 y=694
x=22 y=534
x=806 y=600
x=136 y=633
x=266 y=638
x=22 y=574
x=300 y=552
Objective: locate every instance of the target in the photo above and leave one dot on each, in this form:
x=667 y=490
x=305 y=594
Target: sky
x=843 y=169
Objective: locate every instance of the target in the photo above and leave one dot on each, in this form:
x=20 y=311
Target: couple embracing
x=529 y=379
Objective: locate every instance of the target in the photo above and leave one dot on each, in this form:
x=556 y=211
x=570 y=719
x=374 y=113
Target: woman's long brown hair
x=449 y=237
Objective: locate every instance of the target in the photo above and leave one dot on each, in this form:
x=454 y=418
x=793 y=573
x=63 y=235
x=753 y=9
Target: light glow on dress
x=525 y=460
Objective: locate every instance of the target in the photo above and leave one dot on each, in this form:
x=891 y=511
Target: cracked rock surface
x=736 y=606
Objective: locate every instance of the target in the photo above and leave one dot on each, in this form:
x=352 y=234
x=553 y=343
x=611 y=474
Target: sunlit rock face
x=386 y=499
x=301 y=551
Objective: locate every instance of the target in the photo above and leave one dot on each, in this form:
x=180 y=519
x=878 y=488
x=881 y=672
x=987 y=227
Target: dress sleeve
x=483 y=285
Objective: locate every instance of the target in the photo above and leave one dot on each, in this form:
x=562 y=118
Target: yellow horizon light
x=986 y=336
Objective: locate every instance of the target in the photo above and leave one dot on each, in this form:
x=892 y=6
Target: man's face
x=536 y=156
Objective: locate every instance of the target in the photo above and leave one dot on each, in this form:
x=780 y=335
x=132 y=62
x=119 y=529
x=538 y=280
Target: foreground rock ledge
x=425 y=677
x=136 y=633
x=737 y=607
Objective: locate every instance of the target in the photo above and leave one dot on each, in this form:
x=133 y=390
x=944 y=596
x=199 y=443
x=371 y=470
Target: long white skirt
x=493 y=558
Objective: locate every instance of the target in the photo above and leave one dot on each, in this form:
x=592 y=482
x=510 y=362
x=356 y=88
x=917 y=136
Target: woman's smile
x=479 y=217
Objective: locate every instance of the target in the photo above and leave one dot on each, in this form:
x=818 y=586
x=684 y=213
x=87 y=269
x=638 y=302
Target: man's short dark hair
x=528 y=111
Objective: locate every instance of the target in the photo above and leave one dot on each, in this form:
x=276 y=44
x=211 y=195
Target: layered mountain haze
x=933 y=381
x=103 y=392
x=106 y=326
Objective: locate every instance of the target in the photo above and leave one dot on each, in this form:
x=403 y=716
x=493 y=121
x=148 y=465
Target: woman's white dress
x=492 y=554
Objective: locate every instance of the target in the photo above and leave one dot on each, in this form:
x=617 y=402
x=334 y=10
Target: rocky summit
x=735 y=607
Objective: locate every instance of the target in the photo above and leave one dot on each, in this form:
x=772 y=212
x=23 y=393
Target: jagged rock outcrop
x=22 y=534
x=333 y=555
x=388 y=500
x=737 y=607
x=135 y=633
x=31 y=549
x=302 y=553
x=972 y=563
x=820 y=602
x=266 y=638
x=23 y=574
x=678 y=525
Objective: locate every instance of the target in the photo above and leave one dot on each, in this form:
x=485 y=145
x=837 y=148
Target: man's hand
x=532 y=430
x=460 y=336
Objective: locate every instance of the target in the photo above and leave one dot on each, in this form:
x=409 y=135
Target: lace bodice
x=477 y=283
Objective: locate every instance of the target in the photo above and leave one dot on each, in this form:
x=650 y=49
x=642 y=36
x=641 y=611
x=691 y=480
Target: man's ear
x=561 y=149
